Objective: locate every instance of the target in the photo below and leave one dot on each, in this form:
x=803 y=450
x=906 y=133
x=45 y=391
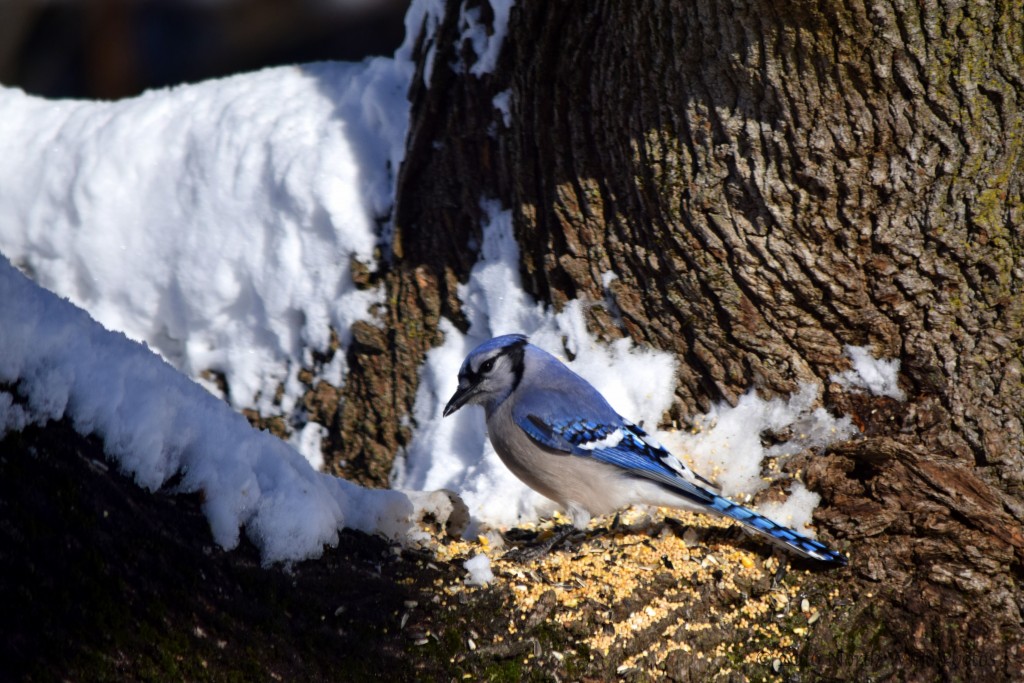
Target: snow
x=727 y=444
x=425 y=16
x=878 y=377
x=479 y=568
x=727 y=447
x=307 y=441
x=156 y=423
x=503 y=103
x=215 y=222
x=216 y=225
x=485 y=41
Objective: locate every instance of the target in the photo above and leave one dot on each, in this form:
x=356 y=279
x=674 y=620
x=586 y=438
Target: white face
x=486 y=377
x=491 y=373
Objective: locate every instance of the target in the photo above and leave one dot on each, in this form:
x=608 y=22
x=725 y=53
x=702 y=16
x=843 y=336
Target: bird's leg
x=780 y=571
x=614 y=523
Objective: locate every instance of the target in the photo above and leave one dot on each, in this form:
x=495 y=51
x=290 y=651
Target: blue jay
x=562 y=438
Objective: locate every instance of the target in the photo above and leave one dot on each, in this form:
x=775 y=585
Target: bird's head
x=490 y=373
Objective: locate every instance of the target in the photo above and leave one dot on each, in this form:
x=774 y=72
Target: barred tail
x=777 y=533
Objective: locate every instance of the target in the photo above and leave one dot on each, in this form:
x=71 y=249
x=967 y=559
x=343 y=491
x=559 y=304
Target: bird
x=563 y=439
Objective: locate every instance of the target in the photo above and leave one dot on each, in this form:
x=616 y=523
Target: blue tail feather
x=777 y=533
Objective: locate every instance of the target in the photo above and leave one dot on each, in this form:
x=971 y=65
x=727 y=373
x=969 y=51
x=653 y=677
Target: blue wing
x=608 y=437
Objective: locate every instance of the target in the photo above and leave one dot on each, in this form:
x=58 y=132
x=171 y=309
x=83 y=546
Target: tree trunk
x=769 y=182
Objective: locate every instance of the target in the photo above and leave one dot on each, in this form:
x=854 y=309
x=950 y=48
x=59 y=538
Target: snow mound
x=56 y=362
x=217 y=222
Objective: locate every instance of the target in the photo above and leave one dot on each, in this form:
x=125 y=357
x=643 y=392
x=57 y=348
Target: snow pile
x=727 y=442
x=727 y=447
x=57 y=362
x=879 y=377
x=216 y=222
x=454 y=452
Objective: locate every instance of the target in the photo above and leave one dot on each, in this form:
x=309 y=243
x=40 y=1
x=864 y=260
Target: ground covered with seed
x=105 y=581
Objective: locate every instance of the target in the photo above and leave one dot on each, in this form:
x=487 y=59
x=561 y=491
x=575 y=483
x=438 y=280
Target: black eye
x=487 y=365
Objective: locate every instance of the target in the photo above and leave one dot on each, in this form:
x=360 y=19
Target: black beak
x=458 y=399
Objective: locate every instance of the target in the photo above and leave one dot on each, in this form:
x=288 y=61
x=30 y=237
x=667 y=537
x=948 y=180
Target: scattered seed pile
x=649 y=595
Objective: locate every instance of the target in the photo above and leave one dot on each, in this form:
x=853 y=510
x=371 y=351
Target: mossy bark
x=768 y=182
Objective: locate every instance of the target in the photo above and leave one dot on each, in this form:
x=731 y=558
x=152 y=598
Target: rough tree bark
x=769 y=182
